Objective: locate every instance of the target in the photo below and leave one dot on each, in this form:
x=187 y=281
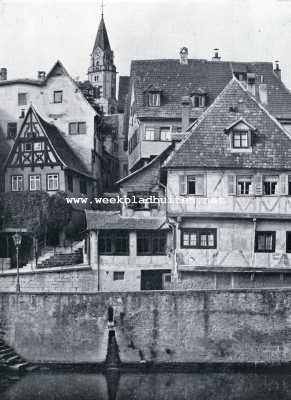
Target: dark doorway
x=153 y=279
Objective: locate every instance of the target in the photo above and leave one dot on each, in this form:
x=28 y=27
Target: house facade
x=165 y=96
x=229 y=196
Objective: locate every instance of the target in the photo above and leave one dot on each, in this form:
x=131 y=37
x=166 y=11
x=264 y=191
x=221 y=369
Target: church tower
x=102 y=71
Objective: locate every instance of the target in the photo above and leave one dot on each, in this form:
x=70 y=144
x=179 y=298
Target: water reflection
x=149 y=386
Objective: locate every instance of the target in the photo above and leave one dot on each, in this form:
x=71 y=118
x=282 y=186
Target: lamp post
x=17 y=238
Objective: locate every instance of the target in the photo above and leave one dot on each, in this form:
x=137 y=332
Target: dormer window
x=198 y=101
x=240 y=135
x=154 y=99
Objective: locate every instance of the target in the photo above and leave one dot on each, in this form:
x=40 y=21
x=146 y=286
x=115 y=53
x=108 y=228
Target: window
x=240 y=139
x=195 y=185
x=34 y=182
x=11 y=130
x=83 y=186
x=270 y=185
x=139 y=200
x=289 y=185
x=58 y=96
x=133 y=141
x=27 y=146
x=154 y=99
x=265 y=242
x=52 y=181
x=151 y=243
x=38 y=146
x=16 y=183
x=22 y=113
x=244 y=185
x=165 y=134
x=113 y=243
x=150 y=133
x=288 y=242
x=198 y=101
x=77 y=128
x=70 y=181
x=115 y=147
x=124 y=170
x=201 y=238
x=118 y=275
x=22 y=99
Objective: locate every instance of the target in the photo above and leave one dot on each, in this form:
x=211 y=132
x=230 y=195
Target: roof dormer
x=240 y=136
x=198 y=98
x=153 y=96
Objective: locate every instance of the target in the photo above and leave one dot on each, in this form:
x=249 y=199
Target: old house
x=165 y=96
x=229 y=196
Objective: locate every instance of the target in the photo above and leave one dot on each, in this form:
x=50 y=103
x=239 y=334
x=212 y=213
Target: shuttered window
x=244 y=186
x=258 y=180
x=270 y=185
x=265 y=242
x=192 y=185
x=231 y=185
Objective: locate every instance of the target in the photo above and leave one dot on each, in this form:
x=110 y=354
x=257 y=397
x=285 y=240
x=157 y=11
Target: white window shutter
x=283 y=184
x=183 y=184
x=231 y=183
x=258 y=181
x=200 y=185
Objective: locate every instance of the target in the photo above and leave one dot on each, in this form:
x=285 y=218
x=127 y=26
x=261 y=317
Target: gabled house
x=166 y=96
x=229 y=196
x=41 y=159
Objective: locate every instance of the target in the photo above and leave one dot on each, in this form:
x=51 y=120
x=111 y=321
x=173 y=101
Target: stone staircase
x=10 y=360
x=62 y=259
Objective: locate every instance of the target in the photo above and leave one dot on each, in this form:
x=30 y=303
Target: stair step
x=14 y=358
x=18 y=367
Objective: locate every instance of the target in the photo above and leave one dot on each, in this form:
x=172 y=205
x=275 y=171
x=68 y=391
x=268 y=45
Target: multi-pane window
x=113 y=242
x=38 y=146
x=154 y=99
x=16 y=183
x=195 y=185
x=11 y=130
x=244 y=185
x=149 y=133
x=58 y=96
x=165 y=133
x=200 y=238
x=151 y=243
x=27 y=146
x=270 y=185
x=118 y=275
x=22 y=99
x=52 y=181
x=198 y=101
x=77 y=128
x=240 y=139
x=265 y=242
x=34 y=182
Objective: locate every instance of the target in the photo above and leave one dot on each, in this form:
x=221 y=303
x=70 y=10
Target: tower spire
x=102 y=8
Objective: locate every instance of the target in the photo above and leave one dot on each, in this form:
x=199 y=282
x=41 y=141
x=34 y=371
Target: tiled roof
x=62 y=148
x=25 y=81
x=177 y=80
x=123 y=89
x=114 y=220
x=102 y=40
x=207 y=143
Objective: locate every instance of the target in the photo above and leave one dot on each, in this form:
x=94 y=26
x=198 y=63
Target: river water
x=145 y=386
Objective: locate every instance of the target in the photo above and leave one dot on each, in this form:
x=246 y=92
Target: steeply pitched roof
x=177 y=80
x=113 y=220
x=123 y=89
x=102 y=40
x=207 y=143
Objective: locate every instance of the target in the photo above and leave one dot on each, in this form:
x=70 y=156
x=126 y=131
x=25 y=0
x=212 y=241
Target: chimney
x=184 y=56
x=3 y=74
x=216 y=56
x=185 y=103
x=277 y=69
x=41 y=75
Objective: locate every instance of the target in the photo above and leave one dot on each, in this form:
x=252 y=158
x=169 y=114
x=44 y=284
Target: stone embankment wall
x=193 y=326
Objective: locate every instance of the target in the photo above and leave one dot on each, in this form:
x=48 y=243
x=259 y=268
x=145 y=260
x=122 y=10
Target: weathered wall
x=192 y=326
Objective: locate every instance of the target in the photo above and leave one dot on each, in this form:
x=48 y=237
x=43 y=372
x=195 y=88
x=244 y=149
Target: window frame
x=77 y=124
x=22 y=103
x=47 y=182
x=151 y=131
x=198 y=100
x=118 y=275
x=165 y=130
x=151 y=236
x=273 y=234
x=199 y=232
x=251 y=188
x=110 y=236
x=240 y=132
x=191 y=178
x=277 y=186
x=11 y=125
x=56 y=94
x=22 y=183
x=154 y=96
x=29 y=182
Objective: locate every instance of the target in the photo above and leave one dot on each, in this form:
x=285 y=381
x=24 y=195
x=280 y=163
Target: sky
x=34 y=34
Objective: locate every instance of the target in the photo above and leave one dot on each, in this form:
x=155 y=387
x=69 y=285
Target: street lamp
x=17 y=238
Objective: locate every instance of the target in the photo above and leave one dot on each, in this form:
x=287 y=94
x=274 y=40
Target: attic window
x=240 y=139
x=154 y=99
x=240 y=135
x=198 y=100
